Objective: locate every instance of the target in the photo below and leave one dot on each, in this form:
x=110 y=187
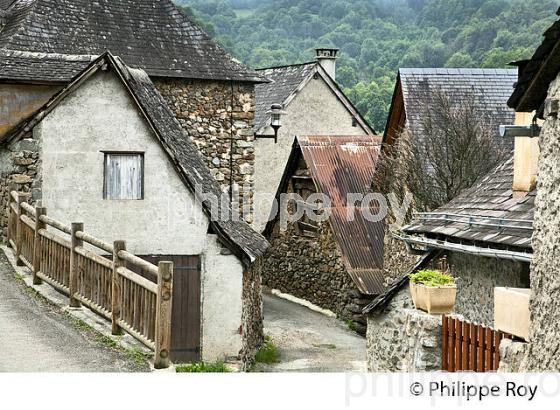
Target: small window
x=124 y=176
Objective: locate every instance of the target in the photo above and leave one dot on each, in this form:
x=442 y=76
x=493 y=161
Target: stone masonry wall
x=545 y=276
x=312 y=269
x=211 y=112
x=20 y=168
x=477 y=278
x=252 y=314
x=403 y=339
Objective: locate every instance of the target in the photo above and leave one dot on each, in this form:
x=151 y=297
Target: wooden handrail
x=139 y=262
x=94 y=257
x=28 y=208
x=107 y=247
x=136 y=278
x=56 y=224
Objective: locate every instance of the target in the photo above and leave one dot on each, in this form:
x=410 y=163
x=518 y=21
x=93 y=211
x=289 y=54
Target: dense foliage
x=377 y=36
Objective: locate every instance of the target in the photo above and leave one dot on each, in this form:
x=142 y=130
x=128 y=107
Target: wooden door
x=185 y=317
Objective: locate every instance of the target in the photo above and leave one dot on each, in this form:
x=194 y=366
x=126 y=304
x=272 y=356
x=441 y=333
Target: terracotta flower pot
x=433 y=299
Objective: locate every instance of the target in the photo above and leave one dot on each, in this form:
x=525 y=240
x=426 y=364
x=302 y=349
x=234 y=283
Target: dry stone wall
x=20 y=170
x=403 y=339
x=219 y=117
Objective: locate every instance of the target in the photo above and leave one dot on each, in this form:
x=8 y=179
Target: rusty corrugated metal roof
x=339 y=166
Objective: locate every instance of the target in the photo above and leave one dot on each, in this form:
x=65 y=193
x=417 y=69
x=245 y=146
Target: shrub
x=217 y=367
x=432 y=278
x=268 y=353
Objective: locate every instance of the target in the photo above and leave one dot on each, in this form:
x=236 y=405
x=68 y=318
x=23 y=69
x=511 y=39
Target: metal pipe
x=468 y=249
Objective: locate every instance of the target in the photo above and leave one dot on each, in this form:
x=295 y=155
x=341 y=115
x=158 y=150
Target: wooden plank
x=452 y=367
x=498 y=336
x=19 y=229
x=53 y=283
x=137 y=335
x=480 y=349
x=54 y=238
x=118 y=246
x=473 y=338
x=465 y=346
x=37 y=248
x=444 y=344
x=56 y=224
x=489 y=338
x=28 y=221
x=28 y=208
x=163 y=315
x=458 y=345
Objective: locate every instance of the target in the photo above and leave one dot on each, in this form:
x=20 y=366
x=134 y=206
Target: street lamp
x=275 y=113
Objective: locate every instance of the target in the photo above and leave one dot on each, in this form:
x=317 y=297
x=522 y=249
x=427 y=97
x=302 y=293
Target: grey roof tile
x=151 y=34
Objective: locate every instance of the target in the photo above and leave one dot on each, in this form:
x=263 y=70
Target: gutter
x=467 y=249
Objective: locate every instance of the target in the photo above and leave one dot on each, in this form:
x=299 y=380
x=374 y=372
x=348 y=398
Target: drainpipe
x=231 y=145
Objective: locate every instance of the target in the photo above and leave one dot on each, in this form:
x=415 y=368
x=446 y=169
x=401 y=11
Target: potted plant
x=433 y=291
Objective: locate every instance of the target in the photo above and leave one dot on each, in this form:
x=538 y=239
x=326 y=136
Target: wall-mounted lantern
x=276 y=114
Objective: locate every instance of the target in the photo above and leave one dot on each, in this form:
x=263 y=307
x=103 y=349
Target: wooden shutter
x=124 y=174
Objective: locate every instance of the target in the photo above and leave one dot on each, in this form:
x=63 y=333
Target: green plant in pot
x=433 y=291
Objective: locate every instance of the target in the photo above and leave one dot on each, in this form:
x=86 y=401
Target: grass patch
x=106 y=341
x=268 y=353
x=329 y=346
x=82 y=326
x=351 y=325
x=138 y=356
x=217 y=367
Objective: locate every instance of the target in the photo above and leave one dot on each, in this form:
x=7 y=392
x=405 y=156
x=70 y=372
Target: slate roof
x=488 y=213
x=491 y=89
x=340 y=165
x=183 y=153
x=537 y=73
x=151 y=34
x=286 y=82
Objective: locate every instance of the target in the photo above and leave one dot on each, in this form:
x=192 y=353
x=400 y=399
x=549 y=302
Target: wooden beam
x=38 y=244
x=73 y=280
x=163 y=315
x=116 y=285
x=19 y=228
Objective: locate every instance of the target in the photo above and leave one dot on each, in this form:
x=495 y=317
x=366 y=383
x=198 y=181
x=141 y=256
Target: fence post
x=73 y=277
x=163 y=315
x=116 y=282
x=38 y=243
x=19 y=229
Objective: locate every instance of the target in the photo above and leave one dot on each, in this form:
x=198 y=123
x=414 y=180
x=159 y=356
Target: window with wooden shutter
x=124 y=176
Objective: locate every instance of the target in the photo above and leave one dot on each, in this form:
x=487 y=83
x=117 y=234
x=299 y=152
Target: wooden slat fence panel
x=137 y=305
x=469 y=347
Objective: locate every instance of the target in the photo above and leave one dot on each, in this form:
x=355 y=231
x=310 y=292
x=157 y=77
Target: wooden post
x=19 y=229
x=163 y=315
x=38 y=243
x=73 y=279
x=116 y=287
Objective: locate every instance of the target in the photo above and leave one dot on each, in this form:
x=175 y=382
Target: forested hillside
x=376 y=36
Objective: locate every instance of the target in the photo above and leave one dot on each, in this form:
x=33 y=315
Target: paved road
x=37 y=337
x=309 y=341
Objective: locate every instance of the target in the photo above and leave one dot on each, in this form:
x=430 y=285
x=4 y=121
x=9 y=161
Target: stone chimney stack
x=327 y=58
x=526 y=158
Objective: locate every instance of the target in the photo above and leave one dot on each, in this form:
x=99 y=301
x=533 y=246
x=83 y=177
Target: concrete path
x=309 y=341
x=38 y=337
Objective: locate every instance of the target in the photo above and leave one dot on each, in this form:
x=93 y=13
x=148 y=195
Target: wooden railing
x=469 y=347
x=95 y=274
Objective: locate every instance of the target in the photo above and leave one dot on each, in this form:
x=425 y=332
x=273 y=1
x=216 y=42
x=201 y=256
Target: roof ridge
x=286 y=66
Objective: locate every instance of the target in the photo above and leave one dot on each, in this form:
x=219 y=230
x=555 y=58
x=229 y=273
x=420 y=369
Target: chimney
x=327 y=58
x=526 y=155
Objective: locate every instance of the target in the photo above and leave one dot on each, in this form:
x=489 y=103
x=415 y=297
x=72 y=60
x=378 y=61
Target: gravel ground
x=37 y=337
x=309 y=341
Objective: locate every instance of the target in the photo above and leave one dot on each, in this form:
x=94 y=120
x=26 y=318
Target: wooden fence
x=469 y=347
x=95 y=274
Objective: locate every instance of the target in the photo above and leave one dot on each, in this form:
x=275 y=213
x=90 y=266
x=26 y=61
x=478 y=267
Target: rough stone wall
x=478 y=277
x=252 y=314
x=211 y=112
x=545 y=275
x=20 y=170
x=403 y=339
x=312 y=269
x=512 y=356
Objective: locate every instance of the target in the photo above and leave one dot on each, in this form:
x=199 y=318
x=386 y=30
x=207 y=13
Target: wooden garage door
x=185 y=319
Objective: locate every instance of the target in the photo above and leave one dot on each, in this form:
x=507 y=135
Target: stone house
x=336 y=262
x=107 y=151
x=537 y=94
x=313 y=104
x=44 y=44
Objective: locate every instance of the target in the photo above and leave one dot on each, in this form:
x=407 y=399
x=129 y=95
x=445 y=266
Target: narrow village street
x=309 y=341
x=37 y=337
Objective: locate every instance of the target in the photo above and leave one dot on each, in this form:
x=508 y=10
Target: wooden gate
x=186 y=317
x=469 y=347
